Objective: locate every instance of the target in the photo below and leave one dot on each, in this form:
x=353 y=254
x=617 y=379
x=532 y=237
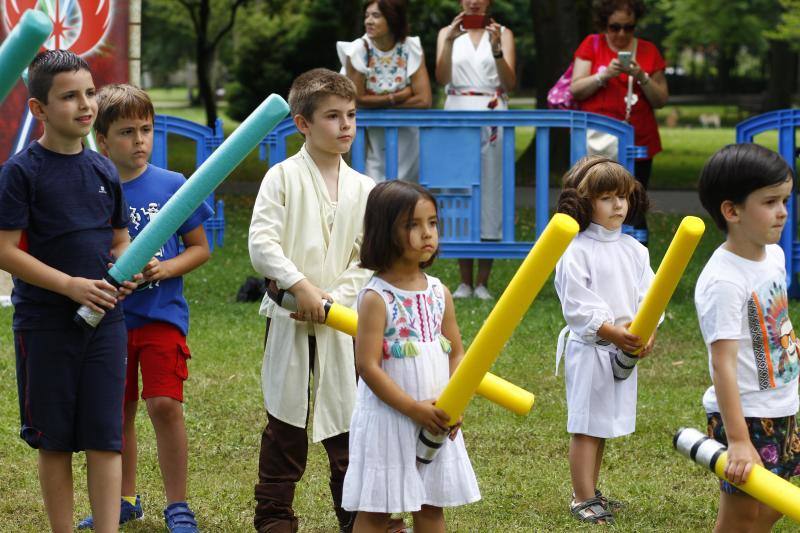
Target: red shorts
x=160 y=349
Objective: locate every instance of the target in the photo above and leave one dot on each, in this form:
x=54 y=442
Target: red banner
x=97 y=30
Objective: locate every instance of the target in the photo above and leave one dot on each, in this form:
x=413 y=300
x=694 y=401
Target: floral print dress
x=386 y=72
x=383 y=475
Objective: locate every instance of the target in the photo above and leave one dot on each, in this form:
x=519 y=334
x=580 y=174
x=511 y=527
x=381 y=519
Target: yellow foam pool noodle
x=506 y=315
x=667 y=277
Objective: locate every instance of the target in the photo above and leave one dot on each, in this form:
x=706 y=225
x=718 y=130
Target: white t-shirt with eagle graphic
x=743 y=300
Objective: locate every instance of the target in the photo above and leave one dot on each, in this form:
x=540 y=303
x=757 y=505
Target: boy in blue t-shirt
x=156 y=315
x=62 y=221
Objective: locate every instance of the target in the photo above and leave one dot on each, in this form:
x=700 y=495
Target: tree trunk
x=558 y=28
x=781 y=82
x=205 y=63
x=726 y=61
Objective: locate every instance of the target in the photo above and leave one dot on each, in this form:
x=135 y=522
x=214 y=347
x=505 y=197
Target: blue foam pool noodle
x=21 y=46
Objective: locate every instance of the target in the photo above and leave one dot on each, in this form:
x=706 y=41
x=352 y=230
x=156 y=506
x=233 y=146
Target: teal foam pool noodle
x=205 y=179
x=184 y=202
x=21 y=46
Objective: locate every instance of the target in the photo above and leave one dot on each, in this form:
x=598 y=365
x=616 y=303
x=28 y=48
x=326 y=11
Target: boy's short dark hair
x=44 y=68
x=119 y=101
x=390 y=205
x=734 y=172
x=310 y=87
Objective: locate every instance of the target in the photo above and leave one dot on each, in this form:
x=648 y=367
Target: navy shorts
x=776 y=440
x=71 y=383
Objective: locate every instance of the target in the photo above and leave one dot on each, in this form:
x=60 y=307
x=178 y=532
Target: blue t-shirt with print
x=158 y=301
x=68 y=206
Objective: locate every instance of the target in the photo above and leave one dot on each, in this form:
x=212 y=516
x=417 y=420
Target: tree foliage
x=277 y=40
x=788 y=28
x=207 y=22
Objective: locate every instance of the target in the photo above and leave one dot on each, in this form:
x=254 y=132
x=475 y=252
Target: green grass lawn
x=521 y=462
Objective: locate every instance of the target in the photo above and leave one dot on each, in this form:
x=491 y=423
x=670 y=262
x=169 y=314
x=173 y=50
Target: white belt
x=567 y=335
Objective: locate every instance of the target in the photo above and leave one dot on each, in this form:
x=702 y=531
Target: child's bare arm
x=309 y=301
x=120 y=242
x=196 y=252
x=451 y=332
x=620 y=337
x=741 y=452
x=97 y=294
x=369 y=351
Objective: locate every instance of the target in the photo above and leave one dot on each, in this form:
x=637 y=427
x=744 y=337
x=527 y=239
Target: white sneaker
x=482 y=293
x=462 y=291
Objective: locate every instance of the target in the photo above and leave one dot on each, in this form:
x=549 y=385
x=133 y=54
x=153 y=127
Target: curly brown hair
x=603 y=9
x=592 y=176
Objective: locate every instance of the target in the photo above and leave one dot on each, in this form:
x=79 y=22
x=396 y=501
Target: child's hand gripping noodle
x=499 y=326
x=655 y=301
x=761 y=484
x=205 y=179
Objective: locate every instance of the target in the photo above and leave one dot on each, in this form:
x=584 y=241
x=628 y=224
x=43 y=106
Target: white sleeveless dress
x=383 y=475
x=475 y=86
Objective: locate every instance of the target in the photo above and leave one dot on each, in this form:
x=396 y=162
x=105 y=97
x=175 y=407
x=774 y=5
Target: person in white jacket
x=601 y=280
x=306 y=235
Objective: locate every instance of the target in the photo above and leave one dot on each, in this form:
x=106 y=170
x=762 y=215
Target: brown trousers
x=281 y=464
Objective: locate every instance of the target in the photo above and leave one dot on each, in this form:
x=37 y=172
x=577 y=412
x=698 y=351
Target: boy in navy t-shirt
x=156 y=315
x=62 y=222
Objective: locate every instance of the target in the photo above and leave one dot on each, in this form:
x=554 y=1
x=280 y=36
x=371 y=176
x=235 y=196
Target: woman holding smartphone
x=475 y=60
x=388 y=67
x=603 y=65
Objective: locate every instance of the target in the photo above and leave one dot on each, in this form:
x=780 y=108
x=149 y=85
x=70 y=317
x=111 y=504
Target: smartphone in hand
x=474 y=22
x=624 y=58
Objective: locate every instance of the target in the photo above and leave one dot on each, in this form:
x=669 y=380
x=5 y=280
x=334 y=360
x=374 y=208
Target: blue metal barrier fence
x=450 y=164
x=785 y=122
x=206 y=141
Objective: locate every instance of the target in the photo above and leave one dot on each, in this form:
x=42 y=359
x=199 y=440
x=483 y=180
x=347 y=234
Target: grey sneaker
x=482 y=293
x=462 y=291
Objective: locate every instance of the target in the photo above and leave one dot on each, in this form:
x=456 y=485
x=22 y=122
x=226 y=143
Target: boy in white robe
x=306 y=234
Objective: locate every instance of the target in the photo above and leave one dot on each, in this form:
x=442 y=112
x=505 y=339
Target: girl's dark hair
x=390 y=206
x=734 y=172
x=592 y=176
x=603 y=9
x=395 y=13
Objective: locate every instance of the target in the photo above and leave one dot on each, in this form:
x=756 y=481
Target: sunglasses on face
x=627 y=28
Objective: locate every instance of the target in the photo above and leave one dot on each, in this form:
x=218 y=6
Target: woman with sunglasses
x=600 y=80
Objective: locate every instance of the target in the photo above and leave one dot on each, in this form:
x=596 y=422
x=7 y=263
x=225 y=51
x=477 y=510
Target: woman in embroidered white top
x=601 y=280
x=477 y=66
x=388 y=67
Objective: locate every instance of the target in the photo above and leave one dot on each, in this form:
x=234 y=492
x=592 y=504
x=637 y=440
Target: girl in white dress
x=601 y=280
x=388 y=67
x=477 y=67
x=407 y=346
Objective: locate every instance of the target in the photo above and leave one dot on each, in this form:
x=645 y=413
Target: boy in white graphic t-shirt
x=742 y=305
